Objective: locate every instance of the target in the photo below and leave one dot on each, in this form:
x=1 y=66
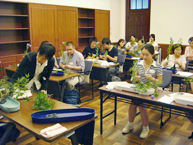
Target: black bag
x=71 y=97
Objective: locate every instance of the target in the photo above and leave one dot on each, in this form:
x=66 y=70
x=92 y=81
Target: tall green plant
x=170 y=48
x=141 y=87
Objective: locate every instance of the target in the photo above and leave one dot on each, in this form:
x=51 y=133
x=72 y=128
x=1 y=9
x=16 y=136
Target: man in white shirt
x=74 y=61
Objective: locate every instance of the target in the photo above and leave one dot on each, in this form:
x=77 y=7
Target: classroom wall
x=117 y=19
x=171 y=18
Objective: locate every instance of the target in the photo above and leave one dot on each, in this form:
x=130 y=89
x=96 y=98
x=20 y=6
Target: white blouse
x=171 y=60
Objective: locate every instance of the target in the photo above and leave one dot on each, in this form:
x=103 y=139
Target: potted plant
x=4 y=89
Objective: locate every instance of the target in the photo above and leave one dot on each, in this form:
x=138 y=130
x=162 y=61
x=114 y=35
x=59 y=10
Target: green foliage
x=27 y=48
x=143 y=40
x=188 y=80
x=133 y=42
x=4 y=88
x=106 y=53
x=170 y=48
x=20 y=86
x=97 y=51
x=42 y=102
x=141 y=87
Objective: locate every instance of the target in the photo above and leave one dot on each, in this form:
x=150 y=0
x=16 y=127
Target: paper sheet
x=186 y=74
x=166 y=99
x=26 y=94
x=135 y=58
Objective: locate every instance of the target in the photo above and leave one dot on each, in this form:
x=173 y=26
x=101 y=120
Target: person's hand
x=138 y=78
x=189 y=57
x=101 y=56
x=128 y=48
x=149 y=77
x=176 y=62
x=68 y=67
x=105 y=57
x=44 y=91
x=88 y=57
x=133 y=52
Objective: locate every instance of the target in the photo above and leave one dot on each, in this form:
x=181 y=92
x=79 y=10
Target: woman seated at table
x=137 y=49
x=91 y=51
x=152 y=42
x=121 y=47
x=148 y=69
x=131 y=43
x=189 y=50
x=175 y=59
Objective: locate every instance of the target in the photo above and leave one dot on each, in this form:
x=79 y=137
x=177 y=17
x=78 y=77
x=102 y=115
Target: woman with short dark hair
x=175 y=59
x=120 y=46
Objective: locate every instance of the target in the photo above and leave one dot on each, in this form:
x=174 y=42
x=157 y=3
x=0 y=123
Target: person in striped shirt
x=148 y=69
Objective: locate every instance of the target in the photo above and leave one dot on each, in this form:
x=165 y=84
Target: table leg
x=115 y=114
x=106 y=76
x=85 y=133
x=101 y=112
x=163 y=123
x=62 y=90
x=72 y=137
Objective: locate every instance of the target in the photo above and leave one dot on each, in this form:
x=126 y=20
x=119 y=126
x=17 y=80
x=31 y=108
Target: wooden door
x=67 y=25
x=102 y=24
x=42 y=24
x=137 y=21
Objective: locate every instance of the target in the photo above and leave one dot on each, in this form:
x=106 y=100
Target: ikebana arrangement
x=41 y=101
x=27 y=48
x=141 y=87
x=170 y=47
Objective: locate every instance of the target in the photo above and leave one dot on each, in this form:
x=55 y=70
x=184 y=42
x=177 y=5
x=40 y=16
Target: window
x=139 y=4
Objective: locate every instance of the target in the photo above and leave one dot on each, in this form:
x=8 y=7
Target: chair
x=86 y=74
x=8 y=132
x=121 y=61
x=166 y=78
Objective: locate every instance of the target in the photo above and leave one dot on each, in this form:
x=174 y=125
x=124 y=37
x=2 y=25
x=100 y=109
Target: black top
x=28 y=66
x=88 y=51
x=112 y=53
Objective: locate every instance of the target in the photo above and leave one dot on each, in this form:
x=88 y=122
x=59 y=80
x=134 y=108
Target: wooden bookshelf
x=86 y=26
x=14 y=28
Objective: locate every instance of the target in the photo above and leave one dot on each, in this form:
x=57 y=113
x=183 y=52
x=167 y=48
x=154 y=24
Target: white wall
x=93 y=4
x=171 y=18
x=117 y=19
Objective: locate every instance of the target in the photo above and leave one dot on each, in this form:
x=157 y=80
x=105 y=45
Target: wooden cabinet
x=86 y=26
x=10 y=60
x=52 y=23
x=14 y=28
x=22 y=23
x=102 y=24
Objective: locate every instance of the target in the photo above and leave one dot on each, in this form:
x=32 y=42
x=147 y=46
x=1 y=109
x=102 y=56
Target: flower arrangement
x=27 y=48
x=43 y=102
x=141 y=87
x=170 y=48
x=9 y=89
